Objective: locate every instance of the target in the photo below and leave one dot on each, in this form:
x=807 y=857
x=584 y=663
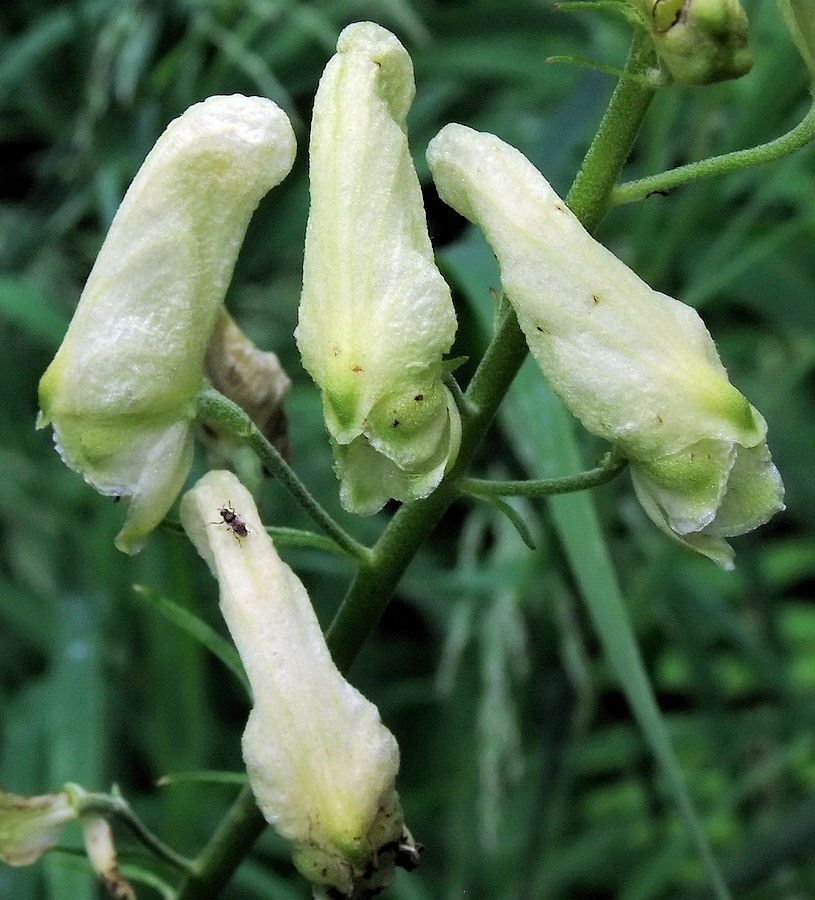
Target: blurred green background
x=523 y=770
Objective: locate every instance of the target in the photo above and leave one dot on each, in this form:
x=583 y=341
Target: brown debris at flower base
x=252 y=378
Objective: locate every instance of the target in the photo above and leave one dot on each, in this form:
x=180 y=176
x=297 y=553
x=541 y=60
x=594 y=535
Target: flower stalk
x=214 y=407
x=798 y=137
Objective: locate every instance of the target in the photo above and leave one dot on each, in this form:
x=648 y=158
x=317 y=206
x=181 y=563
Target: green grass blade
x=209 y=777
x=76 y=726
x=24 y=306
x=541 y=433
x=198 y=630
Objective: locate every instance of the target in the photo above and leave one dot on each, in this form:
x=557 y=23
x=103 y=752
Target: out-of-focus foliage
x=522 y=770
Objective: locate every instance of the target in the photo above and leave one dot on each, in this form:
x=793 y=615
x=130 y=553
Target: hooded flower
x=121 y=390
x=635 y=366
x=375 y=315
x=699 y=41
x=321 y=763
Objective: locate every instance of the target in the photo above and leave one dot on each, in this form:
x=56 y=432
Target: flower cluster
x=376 y=319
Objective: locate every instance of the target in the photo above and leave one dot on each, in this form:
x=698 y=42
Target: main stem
x=371 y=589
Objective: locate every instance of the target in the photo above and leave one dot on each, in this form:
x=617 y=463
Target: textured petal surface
x=375 y=315
x=131 y=363
x=635 y=366
x=321 y=763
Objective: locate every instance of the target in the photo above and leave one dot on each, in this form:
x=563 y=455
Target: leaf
x=206 y=776
x=26 y=307
x=541 y=432
x=513 y=515
x=198 y=630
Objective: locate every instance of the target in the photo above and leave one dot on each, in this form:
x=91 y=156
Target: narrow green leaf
x=23 y=305
x=541 y=432
x=209 y=777
x=614 y=71
x=198 y=630
x=76 y=723
x=141 y=875
x=512 y=515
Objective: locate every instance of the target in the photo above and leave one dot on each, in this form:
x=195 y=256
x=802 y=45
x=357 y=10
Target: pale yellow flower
x=637 y=367
x=376 y=316
x=121 y=390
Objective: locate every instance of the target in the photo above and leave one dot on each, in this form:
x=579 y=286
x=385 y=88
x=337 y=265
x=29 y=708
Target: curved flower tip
x=321 y=763
x=710 y=491
x=376 y=316
x=120 y=392
x=636 y=367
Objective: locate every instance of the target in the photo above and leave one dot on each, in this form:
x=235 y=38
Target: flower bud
x=121 y=390
x=375 y=315
x=800 y=18
x=321 y=763
x=102 y=856
x=699 y=41
x=635 y=366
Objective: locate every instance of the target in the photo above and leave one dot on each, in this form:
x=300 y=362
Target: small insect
x=233 y=522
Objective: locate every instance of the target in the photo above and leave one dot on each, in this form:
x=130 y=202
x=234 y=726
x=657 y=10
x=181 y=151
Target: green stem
x=374 y=582
x=215 y=407
x=589 y=197
x=296 y=537
x=611 y=466
x=115 y=805
x=232 y=840
x=793 y=140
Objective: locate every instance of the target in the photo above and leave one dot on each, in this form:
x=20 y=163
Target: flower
x=635 y=366
x=376 y=316
x=320 y=762
x=29 y=826
x=121 y=391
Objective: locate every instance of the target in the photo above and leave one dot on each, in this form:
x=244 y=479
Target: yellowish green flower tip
x=800 y=18
x=120 y=392
x=376 y=316
x=637 y=367
x=699 y=41
x=321 y=763
x=30 y=826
